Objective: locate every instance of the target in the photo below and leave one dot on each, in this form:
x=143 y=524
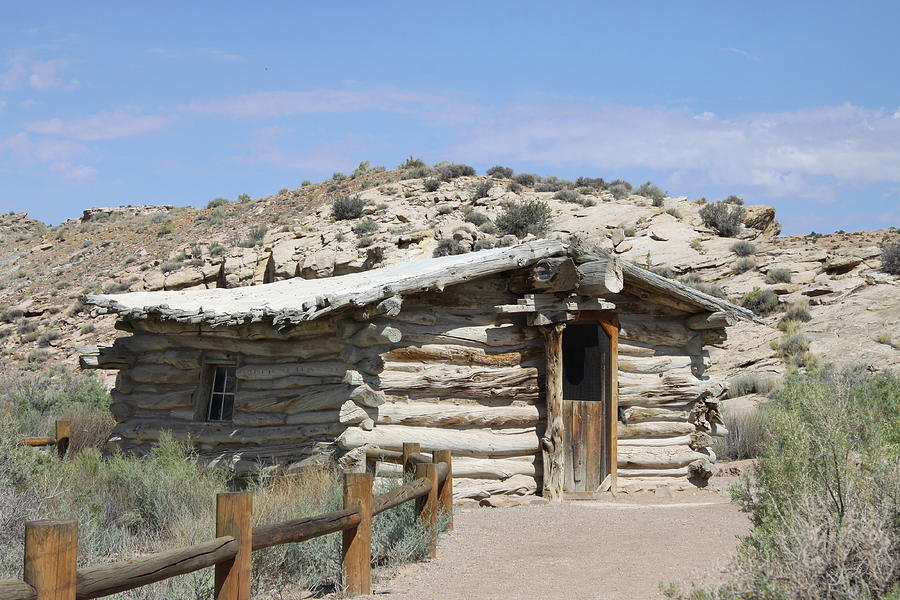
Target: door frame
x=552 y=443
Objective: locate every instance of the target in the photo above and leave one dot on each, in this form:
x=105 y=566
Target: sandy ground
x=580 y=550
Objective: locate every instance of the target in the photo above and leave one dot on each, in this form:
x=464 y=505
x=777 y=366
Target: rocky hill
x=853 y=311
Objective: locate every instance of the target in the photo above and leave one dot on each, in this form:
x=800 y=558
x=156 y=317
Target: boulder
x=762 y=218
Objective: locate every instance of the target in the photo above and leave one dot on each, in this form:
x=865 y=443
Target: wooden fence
x=61 y=441
x=51 y=547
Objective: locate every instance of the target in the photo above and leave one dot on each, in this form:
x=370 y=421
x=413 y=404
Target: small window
x=221 y=394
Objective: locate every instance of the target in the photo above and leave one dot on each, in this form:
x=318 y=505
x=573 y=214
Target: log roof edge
x=293 y=301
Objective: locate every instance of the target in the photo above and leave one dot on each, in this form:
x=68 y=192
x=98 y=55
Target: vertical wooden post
x=63 y=432
x=611 y=327
x=445 y=490
x=51 y=555
x=410 y=448
x=552 y=442
x=356 y=550
x=234 y=516
x=427 y=505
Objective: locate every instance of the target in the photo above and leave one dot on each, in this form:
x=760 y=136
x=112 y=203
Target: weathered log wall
x=439 y=367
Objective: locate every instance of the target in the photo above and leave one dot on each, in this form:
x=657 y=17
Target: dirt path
x=577 y=550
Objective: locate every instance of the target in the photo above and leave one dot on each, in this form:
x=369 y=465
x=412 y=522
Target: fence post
x=234 y=515
x=427 y=505
x=445 y=490
x=410 y=448
x=356 y=549
x=63 y=432
x=51 y=554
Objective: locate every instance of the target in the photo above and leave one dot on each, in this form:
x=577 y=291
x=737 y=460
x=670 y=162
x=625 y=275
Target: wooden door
x=588 y=404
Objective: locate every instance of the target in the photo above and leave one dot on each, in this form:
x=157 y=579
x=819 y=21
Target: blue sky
x=791 y=104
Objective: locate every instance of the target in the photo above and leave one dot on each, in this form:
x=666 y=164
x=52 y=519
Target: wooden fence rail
x=61 y=441
x=50 y=570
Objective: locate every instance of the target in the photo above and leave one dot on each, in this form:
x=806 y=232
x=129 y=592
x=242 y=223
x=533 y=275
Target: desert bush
x=743 y=248
x=725 y=219
x=216 y=202
x=499 y=172
x=760 y=301
x=87 y=328
x=824 y=497
x=595 y=183
x=449 y=247
x=165 y=228
x=751 y=383
x=481 y=190
x=732 y=199
x=552 y=183
x=475 y=217
x=890 y=258
x=483 y=244
x=743 y=264
x=345 y=208
x=648 y=190
x=514 y=187
x=365 y=241
x=792 y=344
x=526 y=179
x=798 y=311
x=451 y=171
x=745 y=435
x=365 y=226
x=244 y=198
x=523 y=218
x=432 y=185
x=10 y=315
x=619 y=191
x=445 y=209
x=778 y=275
x=412 y=163
x=254 y=237
x=488 y=227
x=574 y=197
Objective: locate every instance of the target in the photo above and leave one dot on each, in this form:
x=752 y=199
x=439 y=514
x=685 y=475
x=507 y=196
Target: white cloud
x=785 y=153
x=40 y=75
x=223 y=55
x=740 y=52
x=102 y=126
x=55 y=154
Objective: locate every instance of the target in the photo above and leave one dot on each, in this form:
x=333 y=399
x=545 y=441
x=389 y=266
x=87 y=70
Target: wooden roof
x=296 y=300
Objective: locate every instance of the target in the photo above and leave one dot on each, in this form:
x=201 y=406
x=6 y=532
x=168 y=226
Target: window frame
x=203 y=395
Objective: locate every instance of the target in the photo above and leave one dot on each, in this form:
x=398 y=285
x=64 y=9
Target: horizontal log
x=294 y=401
x=547 y=275
x=711 y=320
x=675 y=472
x=155 y=373
x=296 y=349
x=468 y=467
x=658 y=331
x=480 y=488
x=284 y=383
x=326 y=368
x=466 y=355
x=656 y=364
x=404 y=493
x=149 y=429
x=299 y=530
x=249 y=331
x=641 y=414
x=163 y=400
x=37 y=442
x=439 y=414
x=112 y=578
x=656 y=457
x=14 y=589
x=654 y=429
x=465 y=442
x=94 y=357
x=638 y=442
x=491 y=335
x=463 y=381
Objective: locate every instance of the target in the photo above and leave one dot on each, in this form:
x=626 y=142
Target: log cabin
x=542 y=369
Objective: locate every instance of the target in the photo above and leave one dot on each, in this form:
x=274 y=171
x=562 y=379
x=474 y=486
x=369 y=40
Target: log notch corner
x=552 y=441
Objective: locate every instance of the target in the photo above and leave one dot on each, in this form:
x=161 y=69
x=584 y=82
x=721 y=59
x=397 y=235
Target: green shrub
x=165 y=229
x=448 y=247
x=733 y=200
x=345 y=208
x=87 y=328
x=693 y=280
x=746 y=432
x=412 y=163
x=445 y=209
x=488 y=227
x=499 y=172
x=619 y=191
x=673 y=212
x=648 y=190
x=216 y=202
x=751 y=383
x=595 y=183
x=798 y=311
x=483 y=244
x=523 y=218
x=283 y=191
x=432 y=185
x=365 y=226
x=551 y=183
x=514 y=187
x=573 y=197
x=824 y=496
x=760 y=301
x=365 y=241
x=451 y=171
x=778 y=275
x=725 y=219
x=338 y=176
x=890 y=258
x=243 y=198
x=474 y=217
x=255 y=237
x=792 y=345
x=526 y=179
x=743 y=264
x=743 y=248
x=481 y=190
